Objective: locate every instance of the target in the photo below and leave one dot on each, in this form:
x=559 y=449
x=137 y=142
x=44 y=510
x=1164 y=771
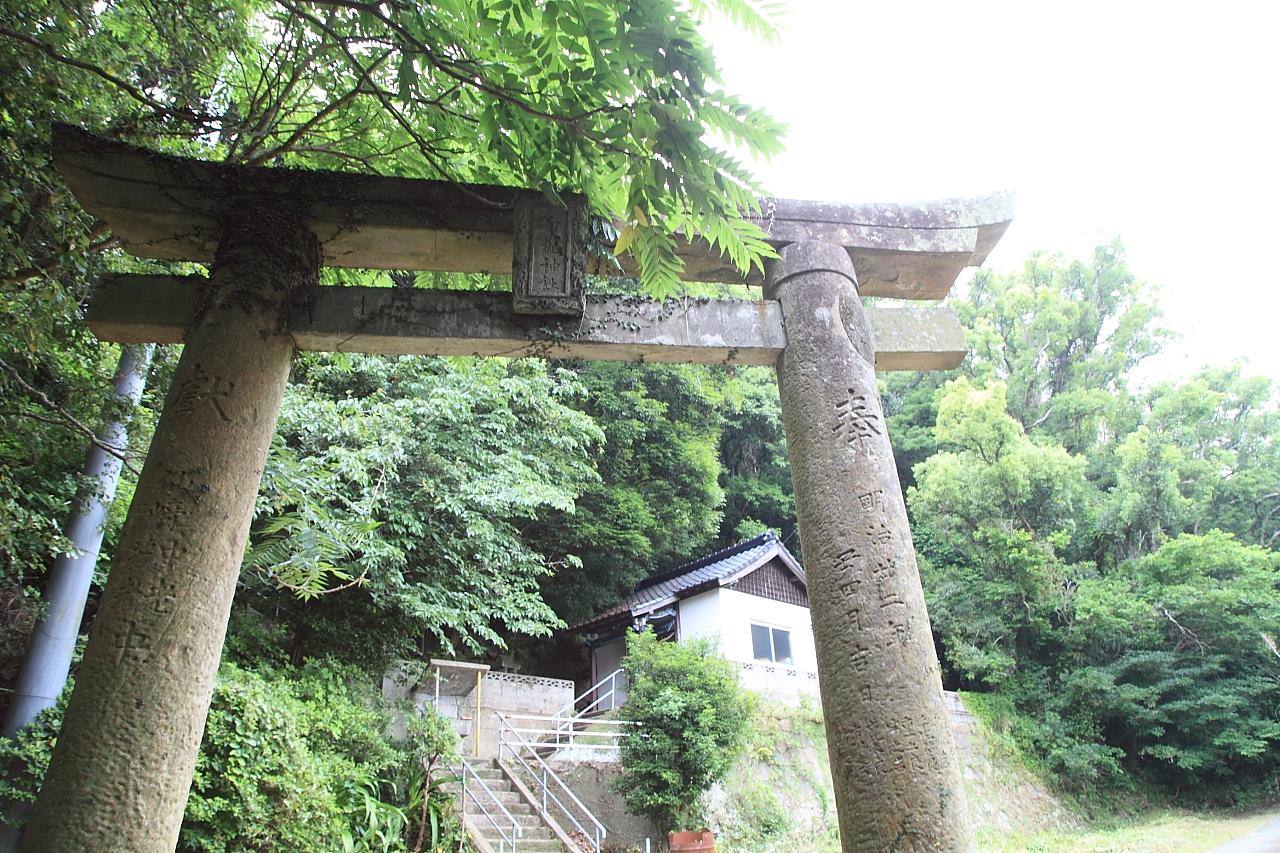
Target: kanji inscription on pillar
x=892 y=755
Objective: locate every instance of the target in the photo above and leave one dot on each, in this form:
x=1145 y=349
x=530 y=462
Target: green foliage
x=24 y=758
x=694 y=720
x=619 y=100
x=753 y=453
x=1063 y=337
x=766 y=815
x=1157 y=667
x=1178 y=668
x=292 y=760
x=396 y=495
x=1068 y=524
x=657 y=501
x=993 y=513
x=259 y=782
x=1085 y=550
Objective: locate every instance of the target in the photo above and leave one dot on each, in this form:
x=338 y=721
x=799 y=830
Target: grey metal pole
x=48 y=661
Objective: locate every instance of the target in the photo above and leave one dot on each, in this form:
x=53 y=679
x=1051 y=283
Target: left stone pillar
x=122 y=768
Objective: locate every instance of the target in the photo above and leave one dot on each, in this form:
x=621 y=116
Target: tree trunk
x=893 y=762
x=122 y=768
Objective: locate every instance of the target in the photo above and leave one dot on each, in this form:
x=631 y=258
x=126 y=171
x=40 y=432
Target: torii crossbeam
x=134 y=724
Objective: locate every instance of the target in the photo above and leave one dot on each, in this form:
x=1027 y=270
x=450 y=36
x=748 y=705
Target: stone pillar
x=122 y=768
x=893 y=759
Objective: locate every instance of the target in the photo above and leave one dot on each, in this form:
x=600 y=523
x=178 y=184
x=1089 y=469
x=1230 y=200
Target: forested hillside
x=1099 y=555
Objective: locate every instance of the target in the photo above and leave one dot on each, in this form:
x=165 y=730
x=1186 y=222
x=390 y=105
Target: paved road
x=1264 y=840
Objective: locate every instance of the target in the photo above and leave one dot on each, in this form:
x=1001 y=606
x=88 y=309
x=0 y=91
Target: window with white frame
x=771 y=644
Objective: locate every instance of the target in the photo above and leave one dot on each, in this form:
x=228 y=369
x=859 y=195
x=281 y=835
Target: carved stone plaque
x=548 y=267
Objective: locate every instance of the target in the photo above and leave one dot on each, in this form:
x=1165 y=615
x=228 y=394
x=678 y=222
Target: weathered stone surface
x=135 y=308
x=549 y=269
x=122 y=768
x=164 y=207
x=892 y=756
x=940 y=238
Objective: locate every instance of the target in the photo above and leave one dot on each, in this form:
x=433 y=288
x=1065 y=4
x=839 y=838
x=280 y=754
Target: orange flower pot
x=692 y=842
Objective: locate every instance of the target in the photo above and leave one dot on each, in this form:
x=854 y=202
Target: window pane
x=760 y=643
x=782 y=646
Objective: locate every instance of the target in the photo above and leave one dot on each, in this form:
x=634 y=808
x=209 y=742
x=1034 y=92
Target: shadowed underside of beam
x=165 y=207
x=136 y=308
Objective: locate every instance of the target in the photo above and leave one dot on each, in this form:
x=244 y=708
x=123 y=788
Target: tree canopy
x=1100 y=556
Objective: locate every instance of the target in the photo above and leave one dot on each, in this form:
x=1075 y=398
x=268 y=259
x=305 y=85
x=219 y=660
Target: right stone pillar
x=893 y=758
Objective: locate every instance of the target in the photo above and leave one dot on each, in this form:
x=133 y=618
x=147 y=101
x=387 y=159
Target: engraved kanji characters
x=856 y=419
x=204 y=387
x=872 y=501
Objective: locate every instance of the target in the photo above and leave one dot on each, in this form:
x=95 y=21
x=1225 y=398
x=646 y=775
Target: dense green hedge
x=294 y=760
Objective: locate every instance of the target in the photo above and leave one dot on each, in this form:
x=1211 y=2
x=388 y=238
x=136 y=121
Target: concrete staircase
x=535 y=835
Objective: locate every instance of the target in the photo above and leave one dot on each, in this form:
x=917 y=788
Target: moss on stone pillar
x=122 y=768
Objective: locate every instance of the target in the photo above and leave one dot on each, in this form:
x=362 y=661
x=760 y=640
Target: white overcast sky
x=1156 y=122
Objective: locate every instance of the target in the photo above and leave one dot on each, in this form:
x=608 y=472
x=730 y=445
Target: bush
x=25 y=758
x=292 y=760
x=259 y=784
x=694 y=720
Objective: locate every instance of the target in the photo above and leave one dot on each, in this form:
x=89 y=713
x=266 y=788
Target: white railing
x=509 y=831
x=616 y=684
x=549 y=788
x=554 y=733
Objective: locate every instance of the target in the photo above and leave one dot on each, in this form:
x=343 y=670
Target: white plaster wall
x=738 y=610
x=508 y=692
x=608 y=657
x=777 y=682
x=700 y=615
x=513 y=693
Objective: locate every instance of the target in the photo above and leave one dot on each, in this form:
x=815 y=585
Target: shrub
x=24 y=759
x=258 y=783
x=693 y=720
x=292 y=760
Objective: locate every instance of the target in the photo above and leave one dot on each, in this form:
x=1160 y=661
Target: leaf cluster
x=292 y=759
x=1102 y=558
x=693 y=721
x=397 y=493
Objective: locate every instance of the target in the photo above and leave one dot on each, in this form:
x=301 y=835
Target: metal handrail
x=516 y=829
x=557 y=733
x=541 y=778
x=611 y=679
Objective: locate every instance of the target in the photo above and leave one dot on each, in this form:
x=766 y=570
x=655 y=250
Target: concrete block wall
x=505 y=692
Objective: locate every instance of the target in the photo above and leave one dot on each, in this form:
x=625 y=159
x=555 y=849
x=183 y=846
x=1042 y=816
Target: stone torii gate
x=121 y=772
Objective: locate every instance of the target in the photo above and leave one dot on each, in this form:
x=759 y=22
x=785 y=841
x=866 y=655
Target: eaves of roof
x=717 y=569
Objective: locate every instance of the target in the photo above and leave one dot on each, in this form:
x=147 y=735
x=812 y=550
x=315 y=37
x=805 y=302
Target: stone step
x=525 y=845
x=535 y=835
x=493 y=786
x=525 y=841
x=526 y=816
x=531 y=833
x=509 y=797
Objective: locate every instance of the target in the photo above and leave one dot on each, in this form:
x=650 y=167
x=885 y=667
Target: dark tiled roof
x=703 y=573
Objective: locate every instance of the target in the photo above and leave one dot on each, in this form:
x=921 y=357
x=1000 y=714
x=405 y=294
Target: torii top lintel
x=164 y=207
